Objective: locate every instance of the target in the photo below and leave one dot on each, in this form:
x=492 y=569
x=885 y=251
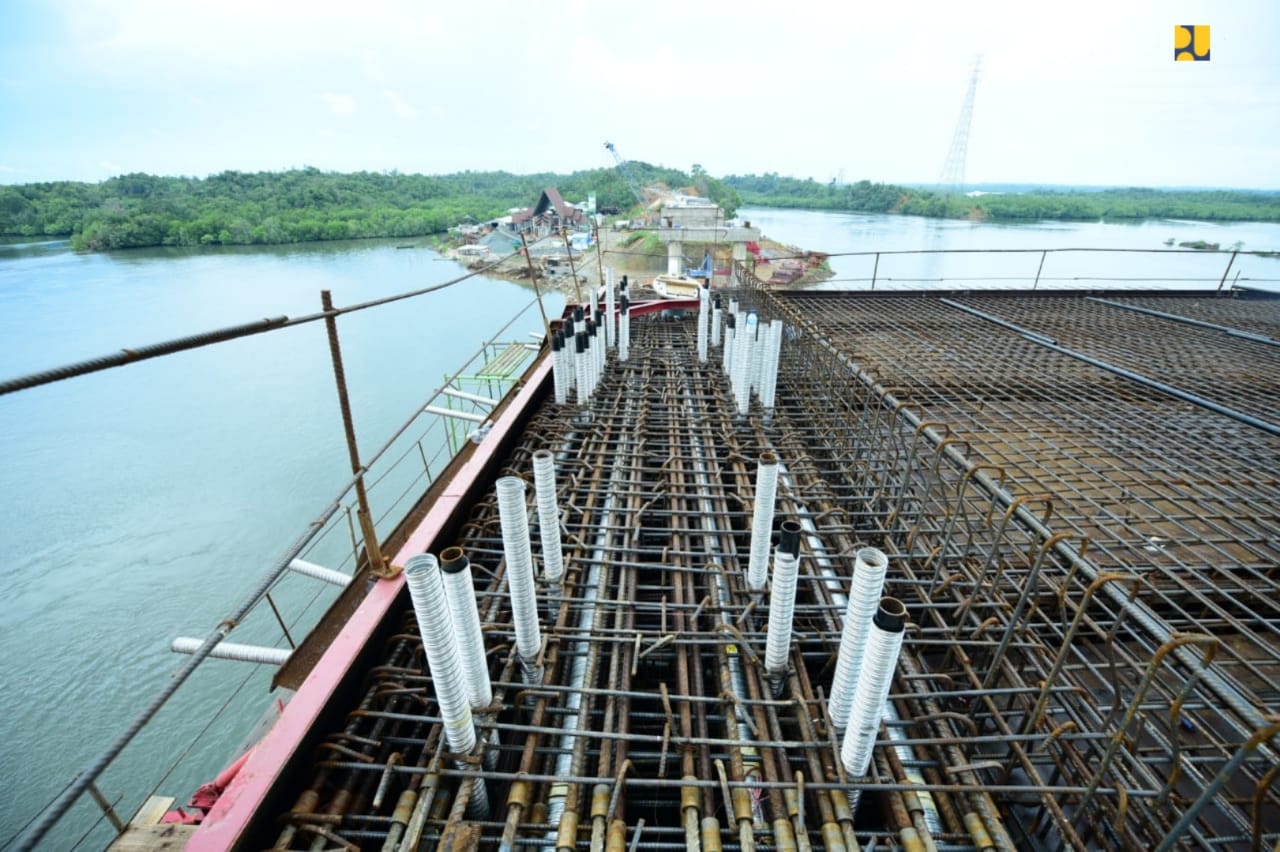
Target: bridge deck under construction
x=1089 y=564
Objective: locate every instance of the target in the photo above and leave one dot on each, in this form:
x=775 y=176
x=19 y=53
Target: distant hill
x=1010 y=202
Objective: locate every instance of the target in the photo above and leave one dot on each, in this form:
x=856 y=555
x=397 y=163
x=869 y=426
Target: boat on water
x=676 y=286
x=950 y=570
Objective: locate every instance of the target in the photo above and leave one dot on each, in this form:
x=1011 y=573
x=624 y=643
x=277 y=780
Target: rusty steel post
x=378 y=564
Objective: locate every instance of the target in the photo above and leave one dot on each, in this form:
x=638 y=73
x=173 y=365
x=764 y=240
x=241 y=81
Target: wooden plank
x=153 y=838
x=152 y=810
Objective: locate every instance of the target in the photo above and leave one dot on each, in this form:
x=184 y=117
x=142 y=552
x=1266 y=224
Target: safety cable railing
x=430 y=445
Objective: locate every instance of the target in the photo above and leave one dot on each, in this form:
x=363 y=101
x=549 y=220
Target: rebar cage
x=1089 y=566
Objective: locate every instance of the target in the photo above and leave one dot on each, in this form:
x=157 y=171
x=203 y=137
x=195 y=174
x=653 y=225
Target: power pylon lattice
x=952 y=178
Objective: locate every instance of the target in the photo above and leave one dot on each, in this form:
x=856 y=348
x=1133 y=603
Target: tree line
x=301 y=205
x=772 y=190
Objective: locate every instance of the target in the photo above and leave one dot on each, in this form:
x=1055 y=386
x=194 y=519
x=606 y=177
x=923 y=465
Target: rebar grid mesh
x=1049 y=695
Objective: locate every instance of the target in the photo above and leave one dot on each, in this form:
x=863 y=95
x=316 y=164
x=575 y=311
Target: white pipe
x=715 y=322
x=728 y=345
x=558 y=369
x=461 y=415
x=756 y=366
x=744 y=345
x=869 y=569
x=233 y=651
x=782 y=605
x=580 y=364
x=702 y=325
x=461 y=593
x=569 y=334
x=762 y=521
x=624 y=329
x=515 y=545
x=884 y=643
x=470 y=397
x=440 y=646
x=319 y=572
x=772 y=356
x=601 y=347
x=544 y=483
x=610 y=336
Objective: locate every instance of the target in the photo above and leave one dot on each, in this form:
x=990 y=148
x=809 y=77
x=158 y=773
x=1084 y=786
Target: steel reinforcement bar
x=1046 y=525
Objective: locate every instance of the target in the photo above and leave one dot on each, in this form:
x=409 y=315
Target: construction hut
x=550 y=214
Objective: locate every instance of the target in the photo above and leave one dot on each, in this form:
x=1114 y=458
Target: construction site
x=827 y=571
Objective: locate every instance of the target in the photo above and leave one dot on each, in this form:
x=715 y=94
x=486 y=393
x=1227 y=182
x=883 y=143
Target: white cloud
x=399 y=105
x=9 y=169
x=340 y=104
x=109 y=166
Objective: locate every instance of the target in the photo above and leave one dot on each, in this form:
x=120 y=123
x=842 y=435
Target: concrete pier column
x=675 y=257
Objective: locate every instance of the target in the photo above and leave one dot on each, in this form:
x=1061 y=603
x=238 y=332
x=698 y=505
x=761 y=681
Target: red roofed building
x=551 y=213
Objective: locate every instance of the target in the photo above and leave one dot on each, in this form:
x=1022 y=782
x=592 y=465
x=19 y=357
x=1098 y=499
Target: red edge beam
x=223 y=826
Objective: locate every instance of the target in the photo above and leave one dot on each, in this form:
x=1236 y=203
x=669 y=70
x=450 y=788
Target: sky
x=1084 y=92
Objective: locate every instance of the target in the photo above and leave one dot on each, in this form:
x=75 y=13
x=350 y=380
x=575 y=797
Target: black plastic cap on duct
x=591 y=329
x=730 y=321
x=580 y=342
x=557 y=342
x=715 y=301
x=624 y=305
x=624 y=282
x=891 y=616
x=789 y=540
x=578 y=314
x=453 y=560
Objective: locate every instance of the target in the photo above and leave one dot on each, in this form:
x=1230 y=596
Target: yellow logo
x=1191 y=43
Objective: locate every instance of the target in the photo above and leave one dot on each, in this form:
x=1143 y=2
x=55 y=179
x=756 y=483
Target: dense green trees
x=866 y=197
x=240 y=208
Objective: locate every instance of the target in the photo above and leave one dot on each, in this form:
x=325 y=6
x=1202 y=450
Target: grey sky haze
x=1084 y=92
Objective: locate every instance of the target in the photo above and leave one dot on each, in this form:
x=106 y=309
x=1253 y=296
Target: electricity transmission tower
x=952 y=178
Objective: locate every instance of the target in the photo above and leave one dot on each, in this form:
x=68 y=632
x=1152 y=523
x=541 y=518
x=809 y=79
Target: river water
x=138 y=504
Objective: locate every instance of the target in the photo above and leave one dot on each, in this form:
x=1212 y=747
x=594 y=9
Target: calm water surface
x=857 y=232
x=139 y=503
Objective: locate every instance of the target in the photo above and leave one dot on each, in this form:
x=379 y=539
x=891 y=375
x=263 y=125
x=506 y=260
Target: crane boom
x=626 y=172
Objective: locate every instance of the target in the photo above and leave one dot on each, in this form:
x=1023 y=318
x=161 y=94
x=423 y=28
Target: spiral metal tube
x=624 y=328
x=515 y=545
x=728 y=353
x=743 y=345
x=440 y=644
x=869 y=569
x=703 y=317
x=782 y=599
x=884 y=642
x=544 y=484
x=715 y=322
x=581 y=367
x=772 y=354
x=558 y=370
x=762 y=522
x=460 y=591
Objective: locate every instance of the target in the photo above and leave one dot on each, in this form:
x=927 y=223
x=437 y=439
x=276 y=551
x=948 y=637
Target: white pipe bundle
x=869 y=569
x=440 y=645
x=884 y=643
